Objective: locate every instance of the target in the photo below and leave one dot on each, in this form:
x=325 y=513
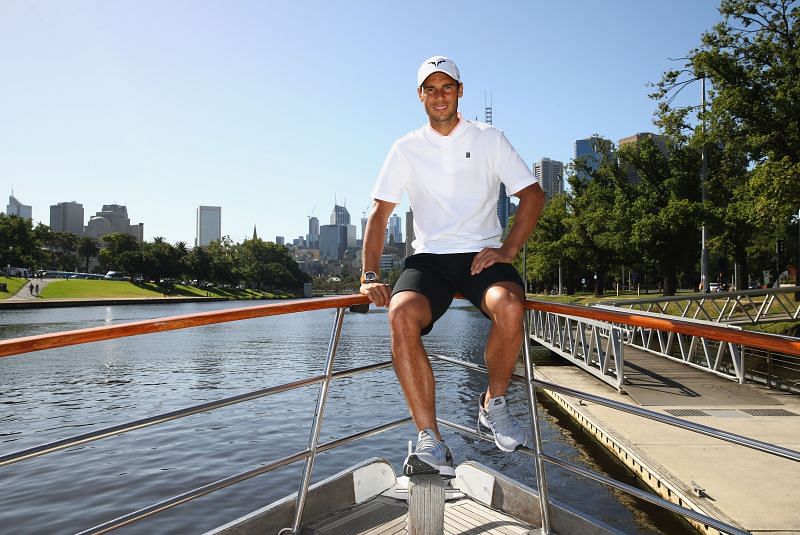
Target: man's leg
x=409 y=313
x=503 y=302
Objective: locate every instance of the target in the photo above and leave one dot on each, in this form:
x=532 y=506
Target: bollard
x=425 y=505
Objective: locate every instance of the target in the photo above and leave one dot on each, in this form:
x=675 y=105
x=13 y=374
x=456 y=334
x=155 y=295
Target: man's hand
x=377 y=292
x=488 y=257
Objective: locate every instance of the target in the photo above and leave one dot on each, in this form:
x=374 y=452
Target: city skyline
x=287 y=106
x=545 y=170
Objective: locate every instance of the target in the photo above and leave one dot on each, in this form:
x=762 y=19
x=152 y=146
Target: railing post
x=313 y=440
x=541 y=476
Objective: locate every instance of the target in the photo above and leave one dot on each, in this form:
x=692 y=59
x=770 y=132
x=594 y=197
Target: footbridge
x=615 y=352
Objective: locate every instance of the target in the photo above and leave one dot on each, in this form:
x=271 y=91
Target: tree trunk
x=669 y=280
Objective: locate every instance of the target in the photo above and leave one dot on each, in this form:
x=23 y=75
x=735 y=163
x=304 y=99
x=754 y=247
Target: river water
x=55 y=394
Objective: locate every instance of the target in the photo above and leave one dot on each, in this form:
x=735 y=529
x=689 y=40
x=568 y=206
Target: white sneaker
x=508 y=434
x=431 y=456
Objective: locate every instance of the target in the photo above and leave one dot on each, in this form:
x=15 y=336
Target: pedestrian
x=451 y=169
x=31 y=288
x=37 y=289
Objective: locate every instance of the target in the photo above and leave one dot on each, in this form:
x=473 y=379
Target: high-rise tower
x=503 y=201
x=209 y=225
x=550 y=174
x=67 y=217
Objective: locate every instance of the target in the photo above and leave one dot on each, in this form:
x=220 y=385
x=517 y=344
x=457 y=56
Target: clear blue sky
x=273 y=109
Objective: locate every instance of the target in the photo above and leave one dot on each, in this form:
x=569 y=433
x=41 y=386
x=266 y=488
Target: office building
x=67 y=217
x=503 y=207
x=393 y=232
x=209 y=225
x=340 y=215
x=409 y=232
x=313 y=233
x=589 y=152
x=113 y=218
x=279 y=240
x=550 y=174
x=332 y=242
x=16 y=208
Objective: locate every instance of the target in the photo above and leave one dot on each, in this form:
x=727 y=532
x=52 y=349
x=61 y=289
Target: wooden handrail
x=715 y=332
x=16 y=346
x=27 y=344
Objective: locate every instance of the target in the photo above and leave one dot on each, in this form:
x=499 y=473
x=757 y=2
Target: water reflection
x=54 y=394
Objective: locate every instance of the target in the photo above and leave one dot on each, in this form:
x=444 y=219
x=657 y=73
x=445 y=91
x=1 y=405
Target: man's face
x=439 y=94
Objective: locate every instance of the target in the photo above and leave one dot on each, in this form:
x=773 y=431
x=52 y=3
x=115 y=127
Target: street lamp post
x=703 y=174
x=796 y=219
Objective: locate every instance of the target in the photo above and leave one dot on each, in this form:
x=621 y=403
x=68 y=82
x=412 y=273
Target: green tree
x=117 y=243
x=88 y=249
x=18 y=243
x=222 y=254
x=197 y=263
x=598 y=220
x=752 y=63
x=665 y=210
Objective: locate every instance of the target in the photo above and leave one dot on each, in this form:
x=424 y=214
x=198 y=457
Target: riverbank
x=50 y=293
x=107 y=301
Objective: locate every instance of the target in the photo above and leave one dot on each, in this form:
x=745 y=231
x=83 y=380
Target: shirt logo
x=437 y=62
x=468 y=155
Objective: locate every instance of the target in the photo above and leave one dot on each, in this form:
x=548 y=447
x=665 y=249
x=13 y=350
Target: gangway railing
x=55 y=340
x=736 y=307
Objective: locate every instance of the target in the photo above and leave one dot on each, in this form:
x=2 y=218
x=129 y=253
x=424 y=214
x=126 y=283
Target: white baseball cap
x=438 y=64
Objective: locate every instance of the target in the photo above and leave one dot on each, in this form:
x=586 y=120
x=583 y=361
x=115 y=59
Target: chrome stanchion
x=541 y=476
x=313 y=440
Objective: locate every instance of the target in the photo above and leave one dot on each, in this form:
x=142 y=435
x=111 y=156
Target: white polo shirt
x=453 y=183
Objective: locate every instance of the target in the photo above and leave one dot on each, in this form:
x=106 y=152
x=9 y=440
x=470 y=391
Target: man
x=451 y=170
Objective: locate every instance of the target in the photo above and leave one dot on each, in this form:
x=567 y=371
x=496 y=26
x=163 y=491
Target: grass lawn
x=82 y=288
x=13 y=284
x=100 y=289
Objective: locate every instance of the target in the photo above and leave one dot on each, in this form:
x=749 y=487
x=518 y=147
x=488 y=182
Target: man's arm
x=531 y=203
x=374 y=237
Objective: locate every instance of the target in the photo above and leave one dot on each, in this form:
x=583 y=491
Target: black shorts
x=440 y=276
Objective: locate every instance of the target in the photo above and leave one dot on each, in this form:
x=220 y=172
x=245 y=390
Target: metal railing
x=736 y=307
x=28 y=344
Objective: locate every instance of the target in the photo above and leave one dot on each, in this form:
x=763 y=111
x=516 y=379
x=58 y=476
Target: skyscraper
x=590 y=152
x=393 y=231
x=209 y=225
x=67 y=217
x=313 y=233
x=503 y=201
x=16 y=208
x=550 y=174
x=409 y=232
x=332 y=242
x=340 y=215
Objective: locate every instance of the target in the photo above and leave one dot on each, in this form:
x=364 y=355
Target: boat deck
x=387 y=516
x=746 y=488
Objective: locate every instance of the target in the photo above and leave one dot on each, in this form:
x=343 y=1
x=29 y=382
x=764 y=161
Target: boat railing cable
x=49 y=341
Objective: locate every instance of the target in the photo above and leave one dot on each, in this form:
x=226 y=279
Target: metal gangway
x=29 y=344
x=596 y=343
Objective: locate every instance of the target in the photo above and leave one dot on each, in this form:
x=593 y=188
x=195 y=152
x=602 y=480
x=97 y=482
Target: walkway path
x=743 y=487
x=24 y=293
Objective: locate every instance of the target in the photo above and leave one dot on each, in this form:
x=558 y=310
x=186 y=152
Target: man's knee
x=504 y=303
x=409 y=313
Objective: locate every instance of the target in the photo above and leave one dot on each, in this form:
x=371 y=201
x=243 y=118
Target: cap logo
x=436 y=63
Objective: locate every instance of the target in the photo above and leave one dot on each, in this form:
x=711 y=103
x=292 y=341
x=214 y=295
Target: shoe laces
x=428 y=443
x=500 y=418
